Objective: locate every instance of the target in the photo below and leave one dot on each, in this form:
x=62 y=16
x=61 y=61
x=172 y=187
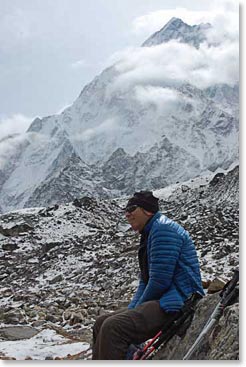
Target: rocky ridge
x=61 y=266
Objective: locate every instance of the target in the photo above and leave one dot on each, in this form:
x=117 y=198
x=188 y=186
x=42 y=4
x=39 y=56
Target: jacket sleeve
x=138 y=294
x=165 y=247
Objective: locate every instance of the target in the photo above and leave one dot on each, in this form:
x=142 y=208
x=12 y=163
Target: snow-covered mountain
x=121 y=135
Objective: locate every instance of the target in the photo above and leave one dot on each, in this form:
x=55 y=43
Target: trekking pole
x=163 y=336
x=228 y=294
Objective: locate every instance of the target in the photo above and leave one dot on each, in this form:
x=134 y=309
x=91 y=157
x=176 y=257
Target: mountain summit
x=176 y=29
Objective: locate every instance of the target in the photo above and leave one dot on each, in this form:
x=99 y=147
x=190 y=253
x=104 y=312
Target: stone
x=10 y=246
x=14 y=317
x=56 y=279
x=50 y=245
x=37 y=323
x=184 y=188
x=216 y=285
x=206 y=283
x=17 y=332
x=16 y=229
x=220 y=344
x=224 y=342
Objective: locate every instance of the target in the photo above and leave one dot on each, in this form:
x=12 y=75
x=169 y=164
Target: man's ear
x=149 y=214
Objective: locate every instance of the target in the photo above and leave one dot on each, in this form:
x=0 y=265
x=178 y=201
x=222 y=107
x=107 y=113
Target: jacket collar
x=150 y=222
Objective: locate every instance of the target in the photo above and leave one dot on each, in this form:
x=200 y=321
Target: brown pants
x=113 y=333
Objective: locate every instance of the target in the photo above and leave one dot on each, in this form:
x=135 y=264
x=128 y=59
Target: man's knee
x=112 y=328
x=108 y=325
x=98 y=323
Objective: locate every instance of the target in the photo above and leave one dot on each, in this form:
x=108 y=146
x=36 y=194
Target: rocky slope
x=63 y=265
x=127 y=122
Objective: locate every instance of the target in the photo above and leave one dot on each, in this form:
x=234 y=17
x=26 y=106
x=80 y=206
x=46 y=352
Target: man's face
x=137 y=218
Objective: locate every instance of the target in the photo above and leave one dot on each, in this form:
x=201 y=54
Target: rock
x=49 y=245
x=76 y=318
x=14 y=317
x=206 y=283
x=184 y=188
x=184 y=216
x=15 y=229
x=224 y=341
x=204 y=252
x=37 y=323
x=48 y=212
x=86 y=202
x=216 y=285
x=216 y=179
x=52 y=318
x=10 y=246
x=56 y=279
x=17 y=332
x=220 y=344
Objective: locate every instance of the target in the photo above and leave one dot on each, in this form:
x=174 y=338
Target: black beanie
x=145 y=200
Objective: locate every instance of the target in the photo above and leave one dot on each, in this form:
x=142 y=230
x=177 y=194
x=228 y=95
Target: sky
x=49 y=50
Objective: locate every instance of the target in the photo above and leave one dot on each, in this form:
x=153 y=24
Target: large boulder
x=17 y=332
x=222 y=343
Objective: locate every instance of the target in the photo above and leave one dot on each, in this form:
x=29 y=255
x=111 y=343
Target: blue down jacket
x=174 y=271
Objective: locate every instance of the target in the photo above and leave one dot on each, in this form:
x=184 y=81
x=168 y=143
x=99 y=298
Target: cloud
x=13 y=135
x=173 y=63
x=8 y=146
x=154 y=21
x=176 y=63
x=222 y=14
x=165 y=99
x=106 y=127
x=16 y=123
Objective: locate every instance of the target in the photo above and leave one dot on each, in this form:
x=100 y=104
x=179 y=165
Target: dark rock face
x=220 y=343
x=224 y=341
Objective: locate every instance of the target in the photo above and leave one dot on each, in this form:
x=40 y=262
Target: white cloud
x=173 y=63
x=14 y=124
x=106 y=127
x=12 y=135
x=154 y=21
x=222 y=14
x=9 y=146
x=165 y=99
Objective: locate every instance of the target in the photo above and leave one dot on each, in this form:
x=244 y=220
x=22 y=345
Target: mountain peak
x=176 y=29
x=174 y=22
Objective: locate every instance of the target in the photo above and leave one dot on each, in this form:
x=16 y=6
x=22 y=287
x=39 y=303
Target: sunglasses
x=131 y=208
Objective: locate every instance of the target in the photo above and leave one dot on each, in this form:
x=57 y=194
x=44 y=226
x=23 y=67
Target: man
x=170 y=273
